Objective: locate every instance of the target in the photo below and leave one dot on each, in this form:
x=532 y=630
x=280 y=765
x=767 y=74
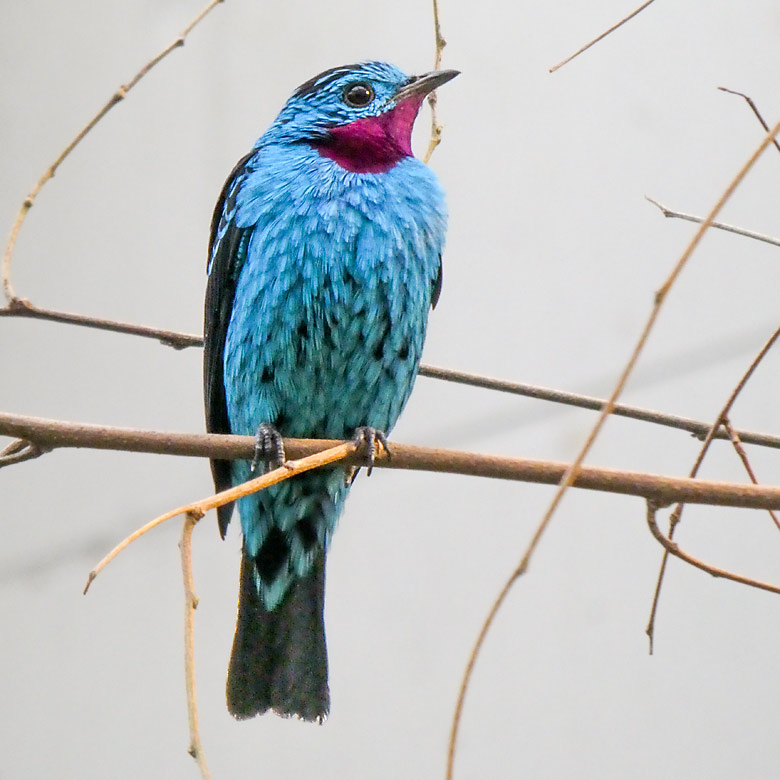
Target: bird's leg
x=369 y=437
x=269 y=448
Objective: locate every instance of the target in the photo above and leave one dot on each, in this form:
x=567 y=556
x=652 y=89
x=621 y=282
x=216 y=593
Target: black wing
x=437 y=285
x=225 y=245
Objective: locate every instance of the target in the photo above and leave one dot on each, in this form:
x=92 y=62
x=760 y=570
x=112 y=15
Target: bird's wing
x=226 y=245
x=437 y=285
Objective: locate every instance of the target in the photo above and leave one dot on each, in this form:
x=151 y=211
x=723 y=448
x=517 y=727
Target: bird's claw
x=370 y=437
x=269 y=448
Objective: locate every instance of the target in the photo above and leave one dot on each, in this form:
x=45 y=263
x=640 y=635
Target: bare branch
x=698 y=428
x=117 y=97
x=671 y=548
x=720 y=225
x=436 y=128
x=19 y=451
x=322 y=456
x=754 y=109
x=190 y=605
x=571 y=475
x=662 y=489
x=746 y=462
x=169 y=338
x=599 y=37
x=676 y=515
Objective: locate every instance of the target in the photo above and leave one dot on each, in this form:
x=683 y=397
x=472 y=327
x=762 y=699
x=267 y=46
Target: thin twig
x=19 y=451
x=169 y=338
x=190 y=605
x=746 y=463
x=322 y=457
x=697 y=427
x=117 y=97
x=598 y=38
x=754 y=109
x=672 y=548
x=570 y=475
x=720 y=225
x=676 y=515
x=436 y=128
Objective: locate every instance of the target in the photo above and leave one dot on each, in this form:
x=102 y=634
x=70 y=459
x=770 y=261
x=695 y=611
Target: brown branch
x=436 y=128
x=755 y=110
x=662 y=489
x=570 y=476
x=117 y=97
x=321 y=456
x=190 y=605
x=746 y=463
x=179 y=340
x=676 y=515
x=670 y=548
x=720 y=225
x=169 y=338
x=599 y=37
x=19 y=451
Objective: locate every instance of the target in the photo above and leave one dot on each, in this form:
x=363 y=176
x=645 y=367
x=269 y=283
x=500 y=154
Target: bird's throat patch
x=373 y=144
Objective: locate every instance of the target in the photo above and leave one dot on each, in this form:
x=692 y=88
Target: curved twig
x=570 y=477
x=671 y=548
x=117 y=97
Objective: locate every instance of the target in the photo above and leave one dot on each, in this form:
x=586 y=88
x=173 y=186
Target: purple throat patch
x=373 y=144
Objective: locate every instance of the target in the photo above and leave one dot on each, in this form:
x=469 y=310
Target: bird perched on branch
x=324 y=260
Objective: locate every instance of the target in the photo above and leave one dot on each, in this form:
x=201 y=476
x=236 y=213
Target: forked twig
x=672 y=548
x=117 y=97
x=676 y=515
x=754 y=108
x=599 y=37
x=720 y=225
x=287 y=470
x=436 y=128
x=572 y=471
x=735 y=440
x=19 y=451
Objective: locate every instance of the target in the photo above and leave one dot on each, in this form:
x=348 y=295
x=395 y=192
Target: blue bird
x=324 y=260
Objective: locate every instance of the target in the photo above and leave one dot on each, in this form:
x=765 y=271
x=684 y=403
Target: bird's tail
x=279 y=660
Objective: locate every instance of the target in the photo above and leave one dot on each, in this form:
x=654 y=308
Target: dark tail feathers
x=279 y=660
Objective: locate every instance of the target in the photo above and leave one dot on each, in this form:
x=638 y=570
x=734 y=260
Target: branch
x=754 y=109
x=179 y=340
x=436 y=128
x=190 y=605
x=661 y=489
x=571 y=475
x=169 y=338
x=676 y=515
x=117 y=97
x=720 y=225
x=670 y=548
x=599 y=37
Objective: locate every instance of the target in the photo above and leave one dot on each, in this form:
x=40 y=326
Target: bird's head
x=360 y=116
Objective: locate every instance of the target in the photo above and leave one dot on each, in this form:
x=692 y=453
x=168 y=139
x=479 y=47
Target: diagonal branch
x=117 y=97
x=571 y=475
x=600 y=37
x=676 y=515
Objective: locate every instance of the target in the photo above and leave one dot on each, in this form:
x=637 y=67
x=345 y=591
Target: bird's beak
x=422 y=85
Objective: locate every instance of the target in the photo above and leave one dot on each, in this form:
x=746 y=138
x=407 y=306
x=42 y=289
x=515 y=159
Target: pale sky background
x=553 y=257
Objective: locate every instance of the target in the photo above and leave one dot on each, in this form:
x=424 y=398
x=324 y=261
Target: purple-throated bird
x=324 y=260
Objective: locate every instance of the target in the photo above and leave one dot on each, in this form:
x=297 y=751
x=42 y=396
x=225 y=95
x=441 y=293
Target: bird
x=324 y=261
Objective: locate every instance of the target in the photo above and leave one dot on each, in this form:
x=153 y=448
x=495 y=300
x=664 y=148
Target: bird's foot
x=269 y=448
x=369 y=438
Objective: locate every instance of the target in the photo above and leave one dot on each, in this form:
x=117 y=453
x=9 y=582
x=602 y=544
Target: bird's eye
x=358 y=95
